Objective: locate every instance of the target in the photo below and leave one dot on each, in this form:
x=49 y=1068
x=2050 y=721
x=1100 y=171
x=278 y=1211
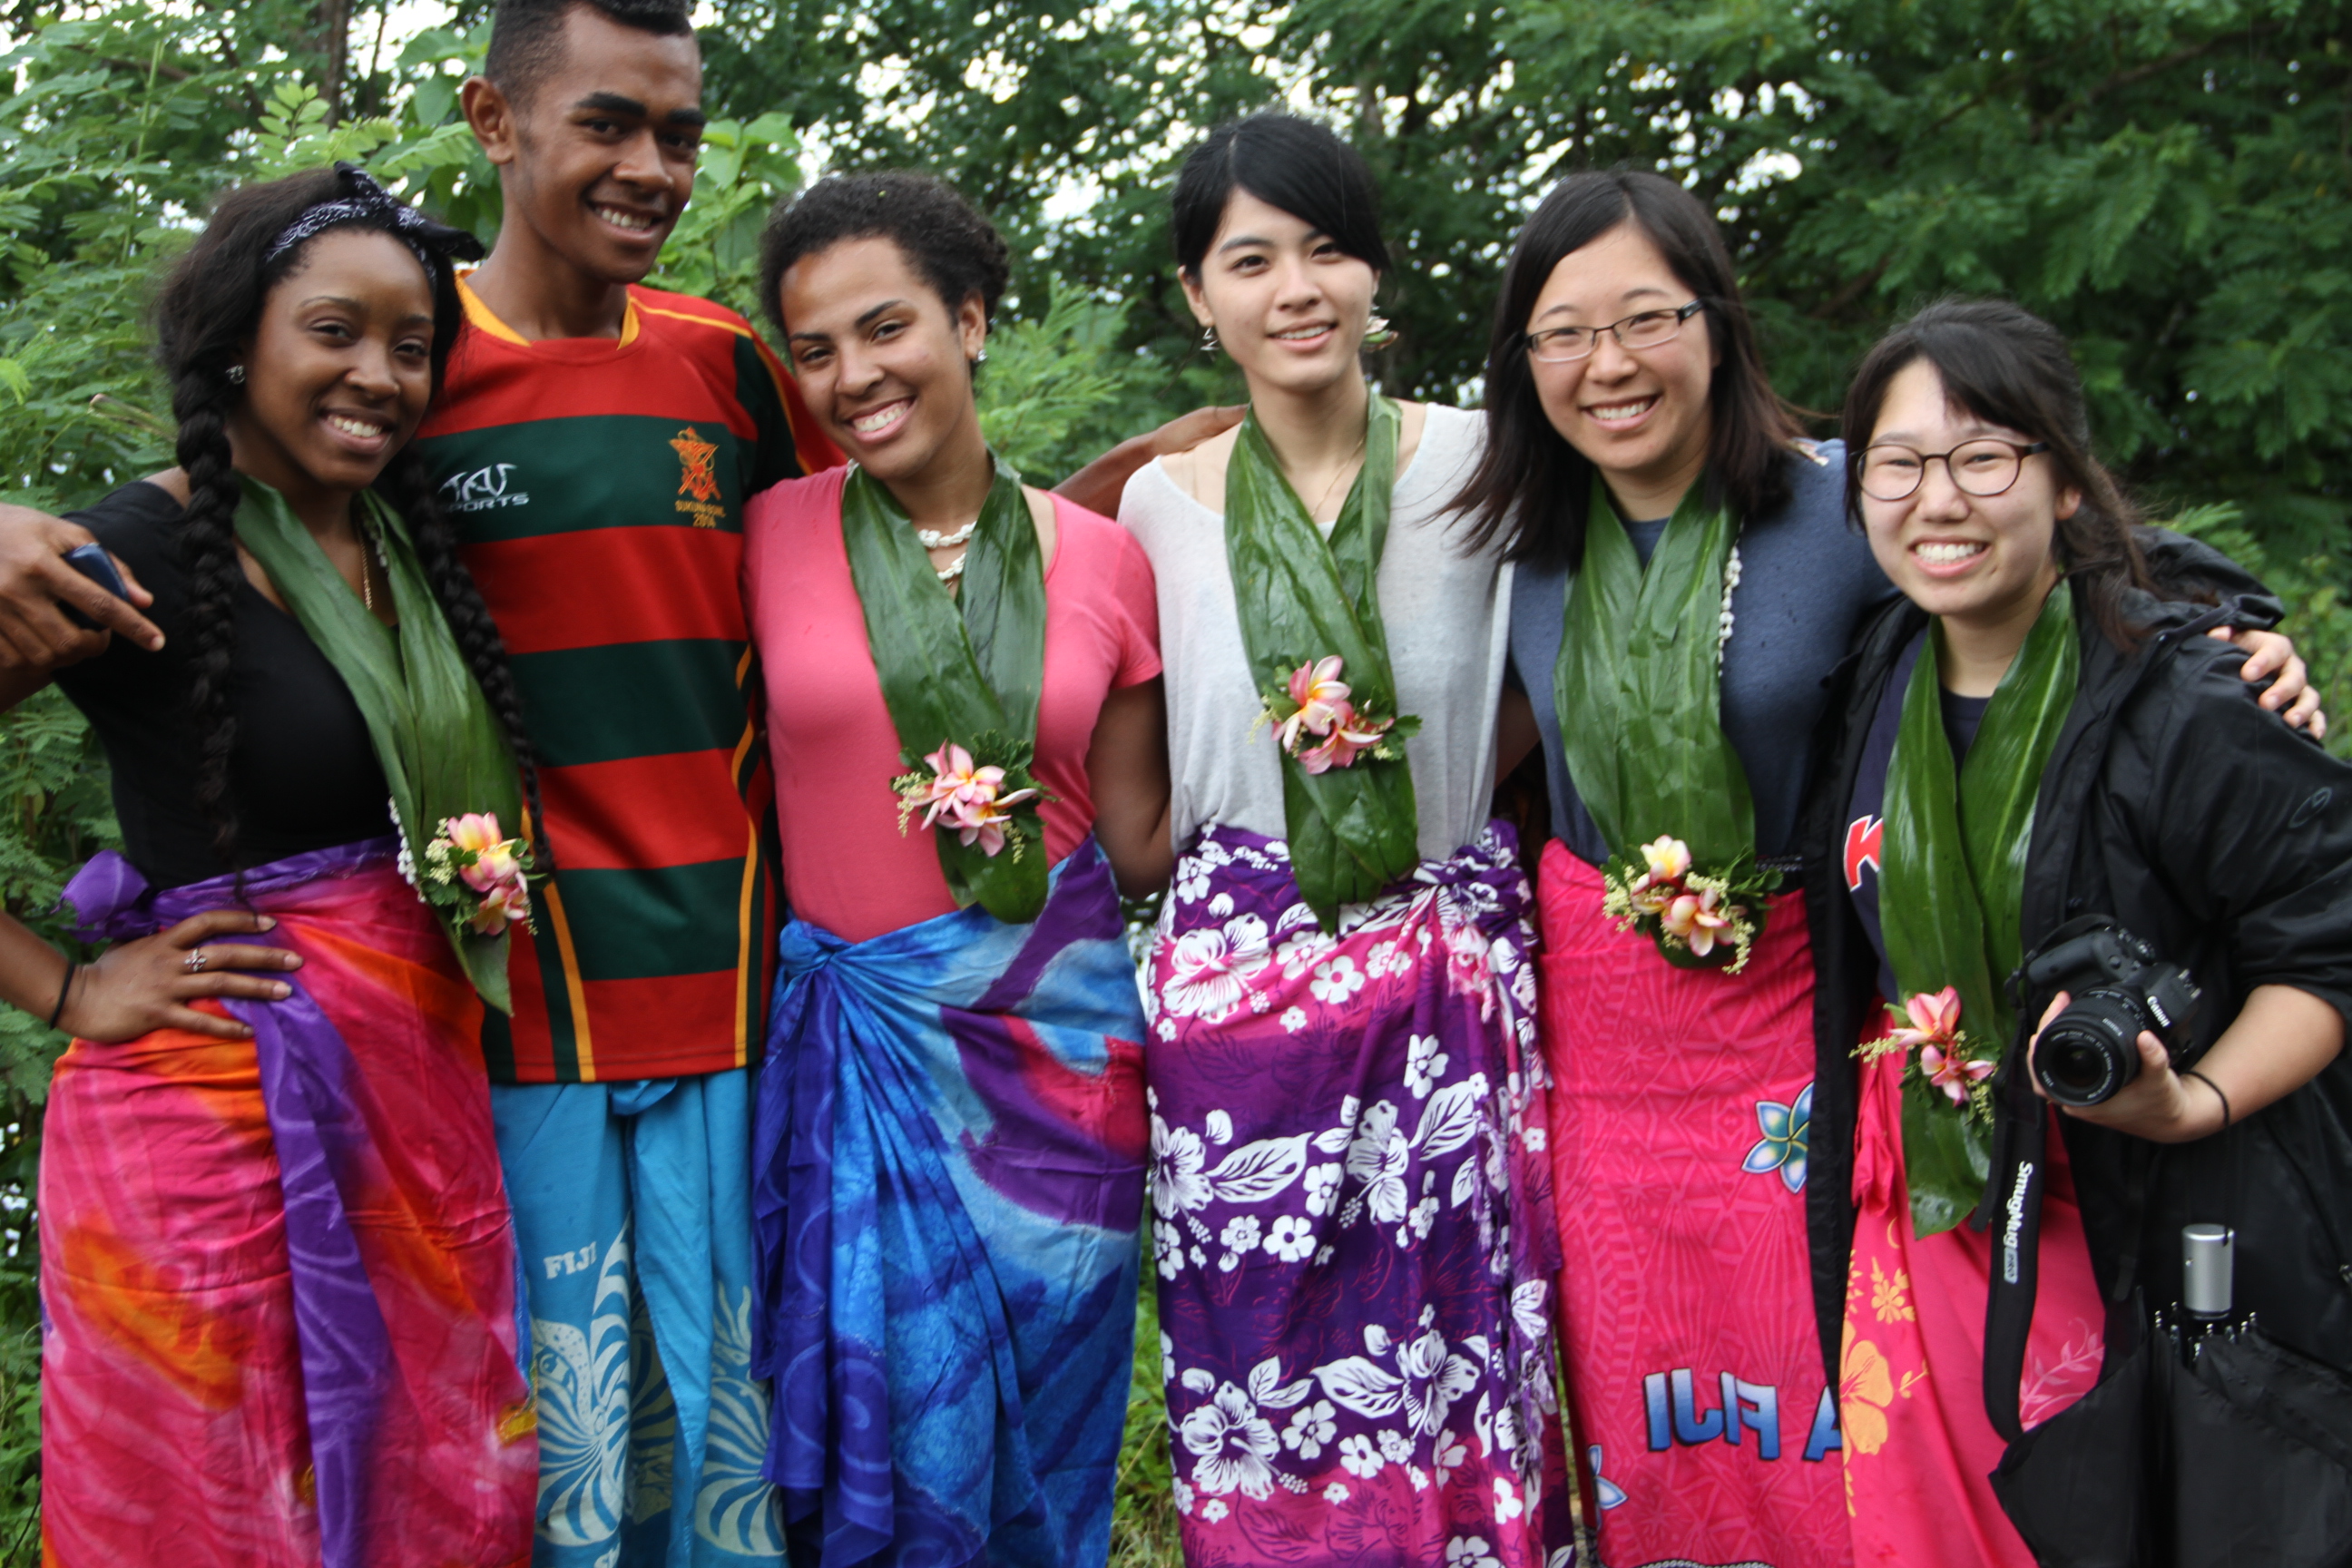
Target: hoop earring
x=1378 y=333
x=1209 y=343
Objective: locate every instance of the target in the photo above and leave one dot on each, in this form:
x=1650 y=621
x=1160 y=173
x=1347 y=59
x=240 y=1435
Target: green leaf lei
x=1950 y=900
x=1305 y=601
x=961 y=674
x=1638 y=691
x=442 y=753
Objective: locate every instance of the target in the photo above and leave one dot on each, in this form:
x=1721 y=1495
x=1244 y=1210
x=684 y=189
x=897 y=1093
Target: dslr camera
x=2120 y=987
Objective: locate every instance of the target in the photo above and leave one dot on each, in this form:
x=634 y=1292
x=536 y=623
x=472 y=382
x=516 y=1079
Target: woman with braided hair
x=277 y=1267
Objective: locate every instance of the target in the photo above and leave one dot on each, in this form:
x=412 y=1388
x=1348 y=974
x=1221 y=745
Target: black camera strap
x=2014 y=1198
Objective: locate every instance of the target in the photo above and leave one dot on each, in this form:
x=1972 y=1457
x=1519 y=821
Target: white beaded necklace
x=934 y=540
x=1722 y=632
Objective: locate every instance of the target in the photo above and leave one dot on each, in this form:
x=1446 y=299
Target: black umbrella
x=2210 y=1445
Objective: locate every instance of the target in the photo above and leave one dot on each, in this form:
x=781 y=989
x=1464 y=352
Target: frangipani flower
x=1321 y=697
x=1948 y=1072
x=508 y=904
x=1935 y=1020
x=1695 y=918
x=1350 y=734
x=969 y=797
x=1669 y=859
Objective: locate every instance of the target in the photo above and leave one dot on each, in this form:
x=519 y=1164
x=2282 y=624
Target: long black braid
x=208 y=551
x=407 y=484
x=206 y=315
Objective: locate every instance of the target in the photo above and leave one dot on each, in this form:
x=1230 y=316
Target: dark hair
x=1531 y=483
x=526 y=35
x=209 y=309
x=1286 y=163
x=2009 y=367
x=958 y=251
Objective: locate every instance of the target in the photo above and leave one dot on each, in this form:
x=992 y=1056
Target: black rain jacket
x=2222 y=837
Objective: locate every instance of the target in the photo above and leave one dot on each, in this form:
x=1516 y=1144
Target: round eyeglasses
x=1982 y=468
x=1642 y=330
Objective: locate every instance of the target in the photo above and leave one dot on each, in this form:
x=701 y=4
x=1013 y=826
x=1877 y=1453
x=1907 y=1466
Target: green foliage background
x=2165 y=179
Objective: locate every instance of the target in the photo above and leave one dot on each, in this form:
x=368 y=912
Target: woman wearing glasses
x=2033 y=662
x=1686 y=580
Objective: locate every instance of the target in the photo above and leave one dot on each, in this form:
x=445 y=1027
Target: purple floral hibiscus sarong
x=1351 y=1216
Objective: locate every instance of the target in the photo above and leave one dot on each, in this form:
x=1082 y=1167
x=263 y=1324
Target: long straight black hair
x=1531 y=487
x=208 y=311
x=2009 y=367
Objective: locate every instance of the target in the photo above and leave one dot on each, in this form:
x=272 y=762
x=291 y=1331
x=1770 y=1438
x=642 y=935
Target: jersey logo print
x=486 y=486
x=697 y=478
x=1863 y=836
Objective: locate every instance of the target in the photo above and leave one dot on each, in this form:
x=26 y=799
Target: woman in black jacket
x=2029 y=739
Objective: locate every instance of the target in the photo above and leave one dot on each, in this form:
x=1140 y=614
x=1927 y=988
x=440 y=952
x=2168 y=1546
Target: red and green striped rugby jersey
x=598 y=486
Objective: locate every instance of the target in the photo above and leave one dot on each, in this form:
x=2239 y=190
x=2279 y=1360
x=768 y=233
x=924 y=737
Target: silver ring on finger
x=195 y=961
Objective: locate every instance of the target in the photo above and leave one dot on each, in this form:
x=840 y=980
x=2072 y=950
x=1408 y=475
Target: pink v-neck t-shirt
x=846 y=867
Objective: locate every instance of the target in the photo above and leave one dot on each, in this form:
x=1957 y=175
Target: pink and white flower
x=972 y=801
x=1350 y=735
x=1320 y=698
x=1948 y=1072
x=1934 y=1019
x=1695 y=918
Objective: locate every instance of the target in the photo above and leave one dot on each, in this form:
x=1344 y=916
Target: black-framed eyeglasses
x=1987 y=467
x=1642 y=330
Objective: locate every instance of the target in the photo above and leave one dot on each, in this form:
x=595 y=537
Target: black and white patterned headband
x=362 y=200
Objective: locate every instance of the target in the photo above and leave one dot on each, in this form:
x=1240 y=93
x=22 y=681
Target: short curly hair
x=958 y=252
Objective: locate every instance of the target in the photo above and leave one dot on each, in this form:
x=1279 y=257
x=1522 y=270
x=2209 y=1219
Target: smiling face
x=1983 y=561
x=597 y=155
x=879 y=357
x=1289 y=304
x=339 y=368
x=1644 y=418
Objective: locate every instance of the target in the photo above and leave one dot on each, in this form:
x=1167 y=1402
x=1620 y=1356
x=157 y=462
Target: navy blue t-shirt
x=1808 y=582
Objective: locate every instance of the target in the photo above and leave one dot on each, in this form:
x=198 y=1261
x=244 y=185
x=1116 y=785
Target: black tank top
x=302 y=773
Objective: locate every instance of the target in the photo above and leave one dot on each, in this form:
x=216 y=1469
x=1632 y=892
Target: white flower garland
x=1730 y=582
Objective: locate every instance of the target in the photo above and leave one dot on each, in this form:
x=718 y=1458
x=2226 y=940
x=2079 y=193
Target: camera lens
x=2091 y=1051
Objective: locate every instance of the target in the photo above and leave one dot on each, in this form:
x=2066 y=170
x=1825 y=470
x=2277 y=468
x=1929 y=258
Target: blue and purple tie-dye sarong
x=948 y=1169
x=1351 y=1217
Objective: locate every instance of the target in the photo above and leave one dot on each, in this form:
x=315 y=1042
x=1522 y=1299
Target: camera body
x=2120 y=987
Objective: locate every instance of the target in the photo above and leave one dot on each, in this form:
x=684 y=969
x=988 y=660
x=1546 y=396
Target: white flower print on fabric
x=1241 y=1233
x=1424 y=1064
x=1213 y=1511
x=1290 y=1239
x=1470 y=1552
x=1395 y=1446
x=1177 y=1156
x=1359 y=1458
x=1323 y=1189
x=1447 y=1456
x=1378 y=1158
x=1336 y=980
x=1294 y=1019
x=1184 y=1494
x=1209 y=971
x=1233 y=1443
x=1434 y=1377
x=1311 y=1428
x=1303 y=952
x=1168 y=1247
x=1336 y=1492
x=1507 y=1506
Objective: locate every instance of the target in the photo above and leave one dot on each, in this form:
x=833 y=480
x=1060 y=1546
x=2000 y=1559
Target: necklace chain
x=1325 y=499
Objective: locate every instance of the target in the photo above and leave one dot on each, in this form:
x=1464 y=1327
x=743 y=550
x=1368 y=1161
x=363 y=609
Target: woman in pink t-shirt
x=964 y=706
